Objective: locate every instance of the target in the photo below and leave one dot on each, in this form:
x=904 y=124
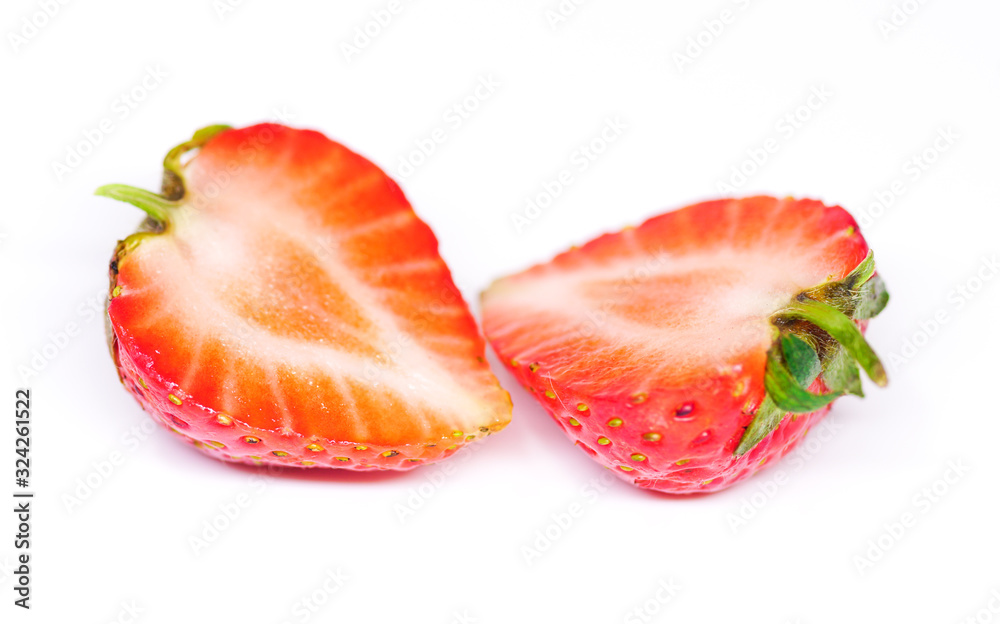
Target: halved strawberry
x=283 y=304
x=671 y=352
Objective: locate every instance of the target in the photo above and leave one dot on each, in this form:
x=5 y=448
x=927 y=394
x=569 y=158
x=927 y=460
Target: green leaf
x=793 y=363
x=842 y=373
x=870 y=299
x=767 y=418
x=842 y=329
x=785 y=390
x=801 y=358
x=861 y=273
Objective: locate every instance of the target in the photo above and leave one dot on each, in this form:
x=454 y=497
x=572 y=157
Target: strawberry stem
x=842 y=329
x=156 y=206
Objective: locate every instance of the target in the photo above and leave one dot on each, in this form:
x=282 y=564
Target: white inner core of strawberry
x=675 y=312
x=270 y=287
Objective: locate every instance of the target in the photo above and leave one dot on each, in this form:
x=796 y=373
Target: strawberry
x=282 y=304
x=688 y=352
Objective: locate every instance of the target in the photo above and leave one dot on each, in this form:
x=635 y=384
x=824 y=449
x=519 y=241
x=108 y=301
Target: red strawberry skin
x=293 y=310
x=648 y=347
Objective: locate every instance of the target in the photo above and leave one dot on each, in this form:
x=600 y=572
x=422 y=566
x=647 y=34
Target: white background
x=762 y=551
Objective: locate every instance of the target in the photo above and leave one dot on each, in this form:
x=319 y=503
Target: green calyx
x=173 y=177
x=816 y=336
x=160 y=207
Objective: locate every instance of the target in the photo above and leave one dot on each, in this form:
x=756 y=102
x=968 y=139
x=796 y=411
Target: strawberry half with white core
x=282 y=304
x=688 y=352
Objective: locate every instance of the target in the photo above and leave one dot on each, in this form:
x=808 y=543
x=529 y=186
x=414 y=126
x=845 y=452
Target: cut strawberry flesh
x=296 y=291
x=680 y=295
x=651 y=343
